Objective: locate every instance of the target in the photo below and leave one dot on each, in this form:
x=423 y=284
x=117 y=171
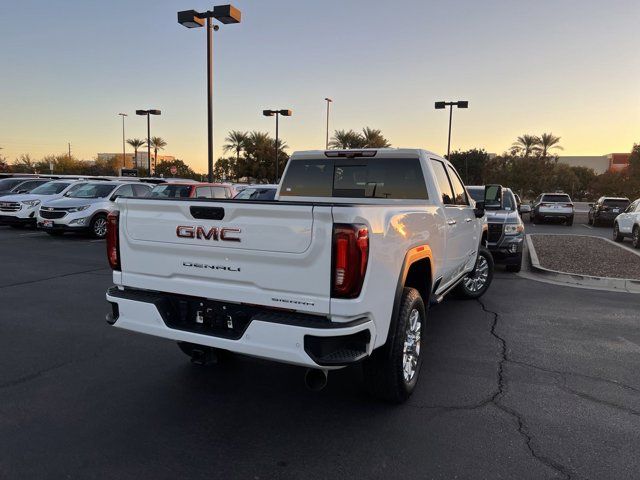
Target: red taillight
x=113 y=243
x=350 y=257
x=568 y=205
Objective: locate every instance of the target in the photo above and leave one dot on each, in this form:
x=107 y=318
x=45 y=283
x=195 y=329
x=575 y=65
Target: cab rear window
x=616 y=203
x=389 y=178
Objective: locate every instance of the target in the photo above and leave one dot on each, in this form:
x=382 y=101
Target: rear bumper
x=606 y=216
x=555 y=214
x=280 y=336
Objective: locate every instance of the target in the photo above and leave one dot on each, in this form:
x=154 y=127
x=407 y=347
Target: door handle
x=451 y=222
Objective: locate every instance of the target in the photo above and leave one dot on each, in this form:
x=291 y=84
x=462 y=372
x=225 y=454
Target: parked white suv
x=552 y=206
x=86 y=208
x=627 y=224
x=340 y=269
x=22 y=209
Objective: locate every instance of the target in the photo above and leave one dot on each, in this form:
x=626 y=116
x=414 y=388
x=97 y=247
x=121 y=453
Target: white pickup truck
x=339 y=269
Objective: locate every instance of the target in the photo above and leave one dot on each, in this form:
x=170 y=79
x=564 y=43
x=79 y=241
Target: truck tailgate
x=268 y=254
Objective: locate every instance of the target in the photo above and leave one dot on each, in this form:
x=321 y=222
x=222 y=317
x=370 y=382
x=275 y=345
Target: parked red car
x=192 y=190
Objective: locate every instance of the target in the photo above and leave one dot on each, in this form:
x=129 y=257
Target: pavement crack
x=29 y=282
x=501 y=388
x=34 y=375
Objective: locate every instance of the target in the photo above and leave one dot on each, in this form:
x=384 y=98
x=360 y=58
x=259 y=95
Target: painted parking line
x=33 y=234
x=588 y=226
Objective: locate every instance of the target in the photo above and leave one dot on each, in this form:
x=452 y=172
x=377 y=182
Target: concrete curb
x=605 y=283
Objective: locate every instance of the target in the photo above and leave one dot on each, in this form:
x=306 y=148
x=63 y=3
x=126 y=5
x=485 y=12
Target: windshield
x=51 y=188
x=616 y=203
x=257 y=194
x=556 y=198
x=9 y=183
x=171 y=191
x=93 y=190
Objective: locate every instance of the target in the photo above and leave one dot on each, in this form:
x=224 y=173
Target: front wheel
x=617 y=237
x=98 y=226
x=635 y=237
x=391 y=372
x=478 y=280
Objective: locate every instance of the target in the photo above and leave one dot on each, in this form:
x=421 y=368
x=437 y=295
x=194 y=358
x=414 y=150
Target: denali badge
x=224 y=234
x=210 y=267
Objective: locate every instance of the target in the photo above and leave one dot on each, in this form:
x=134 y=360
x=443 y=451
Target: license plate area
x=47 y=223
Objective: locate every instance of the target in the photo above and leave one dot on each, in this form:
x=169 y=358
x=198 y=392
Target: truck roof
x=396 y=152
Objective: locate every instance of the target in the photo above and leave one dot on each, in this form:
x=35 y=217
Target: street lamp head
x=328 y=100
x=440 y=105
x=123 y=114
x=155 y=112
x=285 y=113
x=268 y=113
x=227 y=14
x=190 y=19
x=141 y=112
x=463 y=104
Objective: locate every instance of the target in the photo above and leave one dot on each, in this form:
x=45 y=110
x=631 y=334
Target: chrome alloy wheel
x=411 y=350
x=100 y=227
x=476 y=280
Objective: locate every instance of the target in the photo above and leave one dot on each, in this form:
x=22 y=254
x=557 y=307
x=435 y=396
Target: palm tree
x=373 y=138
x=343 y=139
x=236 y=141
x=136 y=143
x=546 y=142
x=526 y=144
x=157 y=143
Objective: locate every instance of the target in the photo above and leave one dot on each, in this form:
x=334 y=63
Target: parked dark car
x=606 y=209
x=505 y=228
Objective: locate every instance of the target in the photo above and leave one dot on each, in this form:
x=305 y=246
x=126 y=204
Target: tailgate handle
x=207 y=213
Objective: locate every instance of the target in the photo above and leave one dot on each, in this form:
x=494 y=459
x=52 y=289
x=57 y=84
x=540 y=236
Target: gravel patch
x=584 y=255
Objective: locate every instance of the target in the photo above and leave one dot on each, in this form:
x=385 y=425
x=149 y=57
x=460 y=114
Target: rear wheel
x=391 y=372
x=590 y=220
x=477 y=281
x=569 y=222
x=617 y=236
x=635 y=237
x=55 y=233
x=98 y=226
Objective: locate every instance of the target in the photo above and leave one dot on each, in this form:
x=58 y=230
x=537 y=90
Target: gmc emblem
x=223 y=234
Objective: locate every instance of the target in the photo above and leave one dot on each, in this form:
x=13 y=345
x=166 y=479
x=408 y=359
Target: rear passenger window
x=443 y=182
x=459 y=193
x=141 y=190
x=391 y=178
x=203 y=192
x=219 y=192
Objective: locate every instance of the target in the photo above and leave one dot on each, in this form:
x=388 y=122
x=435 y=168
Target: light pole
x=277 y=113
x=326 y=143
x=459 y=104
x=148 y=113
x=192 y=19
x=124 y=164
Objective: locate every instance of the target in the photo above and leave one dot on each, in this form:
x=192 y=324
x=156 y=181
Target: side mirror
x=493 y=197
x=479 y=210
x=590 y=205
x=115 y=197
x=524 y=208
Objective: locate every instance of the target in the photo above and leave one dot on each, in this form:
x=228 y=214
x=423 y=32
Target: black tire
x=533 y=218
x=55 y=233
x=635 y=237
x=617 y=236
x=469 y=288
x=384 y=370
x=569 y=222
x=98 y=226
x=17 y=226
x=595 y=222
x=590 y=220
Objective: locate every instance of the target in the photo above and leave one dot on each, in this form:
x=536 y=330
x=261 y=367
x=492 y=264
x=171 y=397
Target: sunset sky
x=568 y=67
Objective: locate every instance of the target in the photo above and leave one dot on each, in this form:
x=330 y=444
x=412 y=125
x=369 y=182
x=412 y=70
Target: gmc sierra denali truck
x=340 y=269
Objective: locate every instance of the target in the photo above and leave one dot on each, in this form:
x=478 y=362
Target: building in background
x=599 y=163
x=139 y=162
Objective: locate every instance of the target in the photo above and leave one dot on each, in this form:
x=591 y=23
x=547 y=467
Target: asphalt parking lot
x=535 y=381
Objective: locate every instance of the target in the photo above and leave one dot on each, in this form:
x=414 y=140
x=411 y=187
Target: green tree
x=343 y=139
x=470 y=164
x=183 y=170
x=546 y=142
x=373 y=138
x=136 y=143
x=157 y=143
x=525 y=145
x=236 y=142
x=226 y=169
x=23 y=164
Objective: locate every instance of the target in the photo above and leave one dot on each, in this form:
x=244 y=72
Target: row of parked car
x=82 y=205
